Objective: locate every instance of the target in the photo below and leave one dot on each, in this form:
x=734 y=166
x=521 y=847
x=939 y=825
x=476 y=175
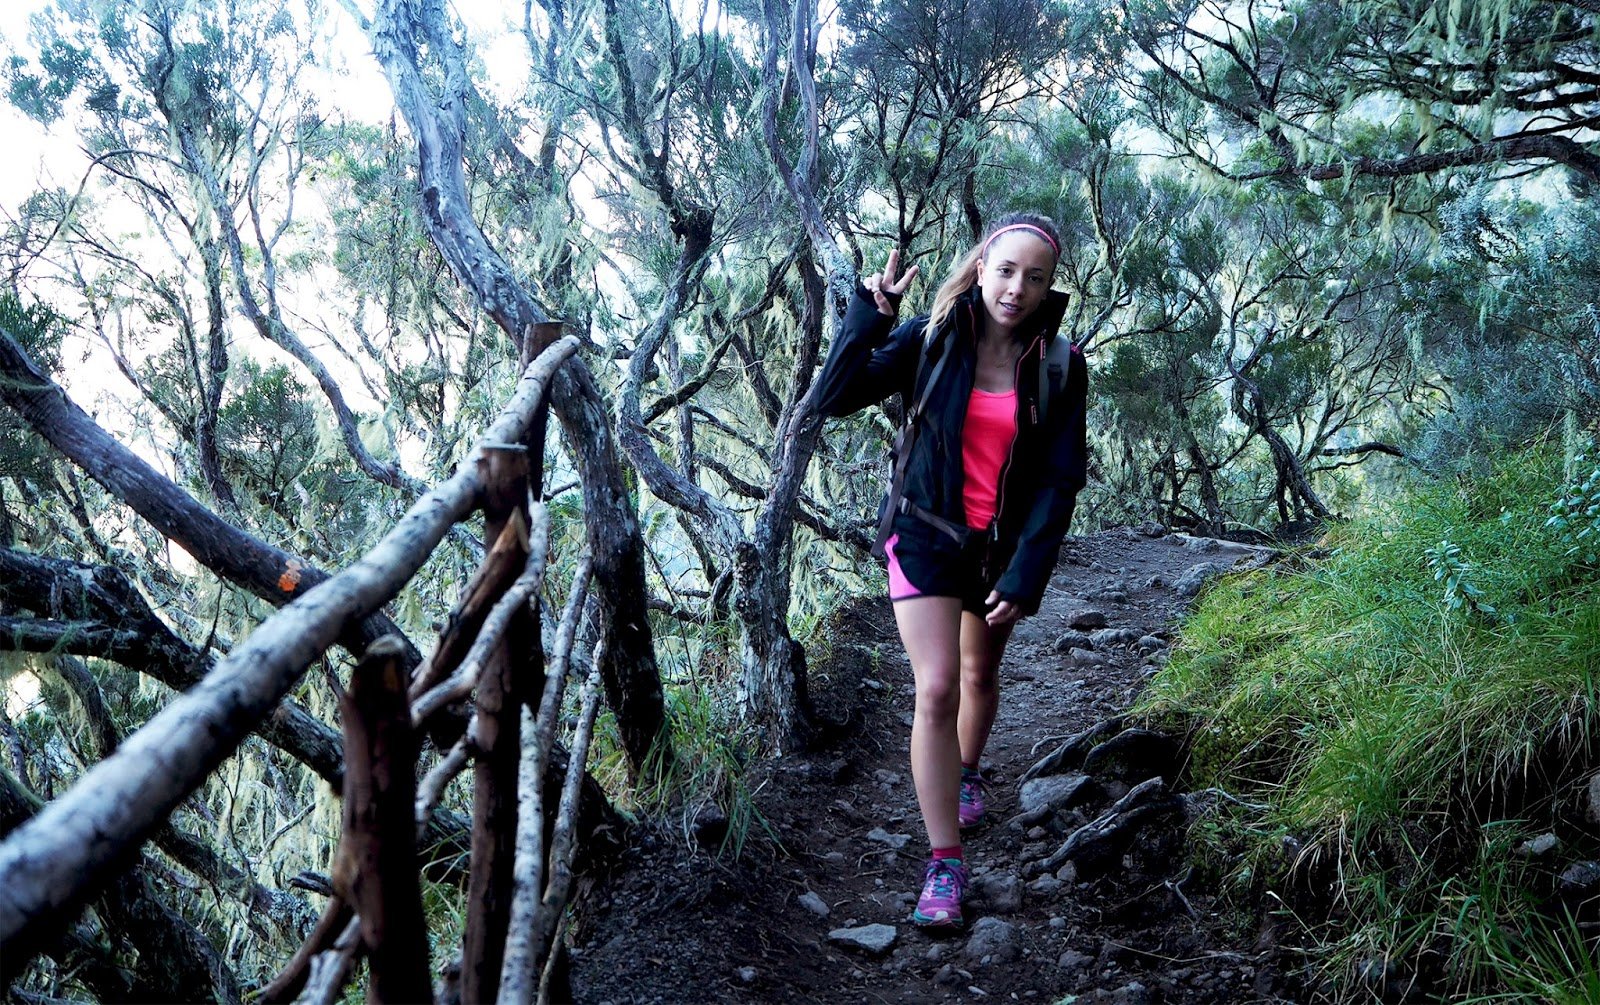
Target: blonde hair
x=965 y=274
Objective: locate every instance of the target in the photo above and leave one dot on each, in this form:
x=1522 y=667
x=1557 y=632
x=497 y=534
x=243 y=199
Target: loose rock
x=1072 y=960
x=1045 y=885
x=1113 y=637
x=1000 y=891
x=995 y=938
x=895 y=841
x=1191 y=582
x=871 y=938
x=1580 y=878
x=815 y=904
x=1085 y=658
x=1538 y=847
x=1069 y=641
x=1087 y=618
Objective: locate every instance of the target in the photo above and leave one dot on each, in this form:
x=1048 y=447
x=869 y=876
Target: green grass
x=1408 y=707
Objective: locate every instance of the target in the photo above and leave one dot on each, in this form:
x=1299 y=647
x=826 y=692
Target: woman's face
x=1015 y=276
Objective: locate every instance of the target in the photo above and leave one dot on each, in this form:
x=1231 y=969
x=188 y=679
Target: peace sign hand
x=883 y=286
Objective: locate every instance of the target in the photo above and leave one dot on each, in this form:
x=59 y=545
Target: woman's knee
x=938 y=695
x=980 y=676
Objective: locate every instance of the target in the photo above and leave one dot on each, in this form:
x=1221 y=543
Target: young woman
x=986 y=490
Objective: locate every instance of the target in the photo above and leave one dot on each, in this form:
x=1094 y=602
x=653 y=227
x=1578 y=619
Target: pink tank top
x=986 y=438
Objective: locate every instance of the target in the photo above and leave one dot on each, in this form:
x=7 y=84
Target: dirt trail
x=681 y=927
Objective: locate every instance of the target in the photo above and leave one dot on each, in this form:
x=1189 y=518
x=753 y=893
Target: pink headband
x=984 y=254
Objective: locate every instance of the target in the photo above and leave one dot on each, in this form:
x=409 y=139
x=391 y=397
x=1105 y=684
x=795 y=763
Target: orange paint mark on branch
x=291 y=575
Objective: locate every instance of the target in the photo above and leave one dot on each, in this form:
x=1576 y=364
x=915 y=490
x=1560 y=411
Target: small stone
x=993 y=937
x=1580 y=878
x=1076 y=640
x=1073 y=961
x=886 y=776
x=1155 y=583
x=1087 y=618
x=871 y=938
x=1086 y=658
x=1539 y=847
x=1150 y=643
x=1191 y=582
x=815 y=904
x=1045 y=885
x=1057 y=923
x=1037 y=834
x=936 y=952
x=895 y=841
x=747 y=974
x=1107 y=637
x=1591 y=810
x=907 y=719
x=947 y=975
x=834 y=856
x=1068 y=873
x=1001 y=891
x=1131 y=993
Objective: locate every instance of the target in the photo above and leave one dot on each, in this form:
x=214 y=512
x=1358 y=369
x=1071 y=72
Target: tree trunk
x=633 y=684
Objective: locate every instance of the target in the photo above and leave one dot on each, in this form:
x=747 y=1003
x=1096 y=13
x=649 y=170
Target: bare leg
x=930 y=629
x=981 y=650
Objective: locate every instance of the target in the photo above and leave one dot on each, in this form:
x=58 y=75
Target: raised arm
x=869 y=357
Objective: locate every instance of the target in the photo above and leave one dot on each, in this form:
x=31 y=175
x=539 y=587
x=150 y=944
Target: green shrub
x=1406 y=707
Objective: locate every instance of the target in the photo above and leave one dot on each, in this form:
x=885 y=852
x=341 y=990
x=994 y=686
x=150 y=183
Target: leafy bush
x=1407 y=708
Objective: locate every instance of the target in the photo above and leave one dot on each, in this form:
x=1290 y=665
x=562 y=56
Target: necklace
x=1007 y=358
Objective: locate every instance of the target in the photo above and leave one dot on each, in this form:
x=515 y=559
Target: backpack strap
x=1053 y=366
x=906 y=438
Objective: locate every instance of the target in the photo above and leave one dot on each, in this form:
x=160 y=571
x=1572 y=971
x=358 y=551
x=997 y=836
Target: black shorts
x=926 y=562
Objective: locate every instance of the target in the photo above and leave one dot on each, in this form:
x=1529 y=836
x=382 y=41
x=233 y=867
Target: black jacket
x=1039 y=483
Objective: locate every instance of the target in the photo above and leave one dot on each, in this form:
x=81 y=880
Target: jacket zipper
x=1011 y=451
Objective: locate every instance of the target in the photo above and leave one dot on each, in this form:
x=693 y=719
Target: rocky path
x=1066 y=906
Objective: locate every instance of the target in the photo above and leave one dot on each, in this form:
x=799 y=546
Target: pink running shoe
x=970 y=812
x=940 y=903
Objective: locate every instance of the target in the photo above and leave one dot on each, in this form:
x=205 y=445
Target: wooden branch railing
x=52 y=864
x=523 y=953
